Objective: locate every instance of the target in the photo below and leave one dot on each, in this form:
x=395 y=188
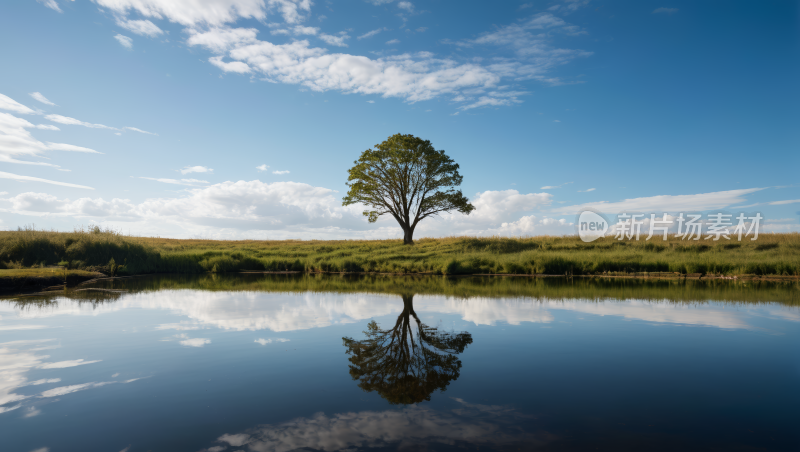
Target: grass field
x=114 y=253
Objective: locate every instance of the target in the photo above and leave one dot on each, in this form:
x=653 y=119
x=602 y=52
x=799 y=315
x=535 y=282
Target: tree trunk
x=408 y=236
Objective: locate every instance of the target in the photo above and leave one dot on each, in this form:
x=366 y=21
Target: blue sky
x=547 y=106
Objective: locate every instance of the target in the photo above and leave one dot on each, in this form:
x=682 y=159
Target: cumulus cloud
x=408 y=6
x=40 y=97
x=124 y=40
x=335 y=40
x=262 y=167
x=195 y=169
x=281 y=172
x=140 y=27
x=282 y=209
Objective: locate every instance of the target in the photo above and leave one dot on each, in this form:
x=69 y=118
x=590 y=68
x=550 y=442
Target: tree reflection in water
x=407 y=363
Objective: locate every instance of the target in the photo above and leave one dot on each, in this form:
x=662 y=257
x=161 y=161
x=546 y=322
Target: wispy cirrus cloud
x=68 y=363
x=40 y=97
x=9 y=104
x=188 y=182
x=17 y=177
x=666 y=203
x=371 y=33
x=51 y=4
x=76 y=122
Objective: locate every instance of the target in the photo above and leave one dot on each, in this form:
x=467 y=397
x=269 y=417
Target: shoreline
x=33 y=285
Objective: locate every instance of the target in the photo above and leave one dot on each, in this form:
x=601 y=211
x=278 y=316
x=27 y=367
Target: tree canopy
x=407 y=178
x=405 y=364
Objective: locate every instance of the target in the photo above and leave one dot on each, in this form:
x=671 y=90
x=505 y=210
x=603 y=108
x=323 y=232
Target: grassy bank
x=114 y=253
x=35 y=279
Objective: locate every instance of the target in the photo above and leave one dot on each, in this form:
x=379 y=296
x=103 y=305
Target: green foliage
x=407 y=363
x=407 y=178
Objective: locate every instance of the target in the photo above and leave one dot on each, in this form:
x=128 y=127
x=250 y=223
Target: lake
x=250 y=362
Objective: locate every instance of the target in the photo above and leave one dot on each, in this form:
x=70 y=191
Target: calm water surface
x=280 y=363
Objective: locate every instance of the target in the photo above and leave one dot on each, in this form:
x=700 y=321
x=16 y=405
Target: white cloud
x=196 y=342
x=21 y=327
x=43 y=381
x=140 y=27
x=195 y=169
x=68 y=363
x=372 y=33
x=269 y=341
x=262 y=167
x=191 y=13
x=663 y=10
x=780 y=203
x=40 y=97
x=220 y=40
x=124 y=40
x=46 y=127
x=408 y=6
x=335 y=40
x=17 y=177
x=666 y=203
x=587 y=190
x=280 y=209
x=139 y=130
x=233 y=66
x=551 y=187
x=50 y=4
x=189 y=182
x=413 y=77
x=64 y=390
x=76 y=122
x=281 y=172
x=303 y=30
x=370 y=101
x=393 y=41
x=7 y=103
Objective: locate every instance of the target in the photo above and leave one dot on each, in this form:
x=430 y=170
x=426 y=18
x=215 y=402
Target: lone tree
x=407 y=363
x=406 y=177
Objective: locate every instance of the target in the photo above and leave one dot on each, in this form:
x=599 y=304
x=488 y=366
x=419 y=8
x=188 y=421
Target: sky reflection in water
x=174 y=364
